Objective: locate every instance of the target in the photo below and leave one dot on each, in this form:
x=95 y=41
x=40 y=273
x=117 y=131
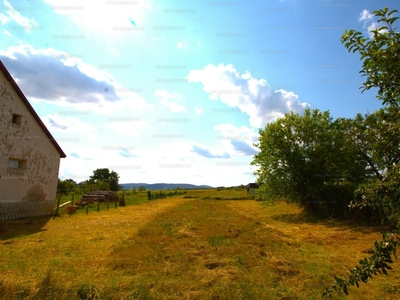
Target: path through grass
x=186 y=248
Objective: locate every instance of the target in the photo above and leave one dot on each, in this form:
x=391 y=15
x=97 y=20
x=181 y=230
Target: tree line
x=101 y=179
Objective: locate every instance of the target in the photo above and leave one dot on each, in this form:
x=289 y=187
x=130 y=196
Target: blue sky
x=176 y=91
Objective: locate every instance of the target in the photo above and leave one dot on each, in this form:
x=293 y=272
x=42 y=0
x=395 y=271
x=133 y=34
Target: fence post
x=58 y=205
x=98 y=201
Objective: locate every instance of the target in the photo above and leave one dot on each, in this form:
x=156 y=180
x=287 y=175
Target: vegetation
x=152 y=195
x=377 y=263
x=107 y=176
x=379 y=141
x=67 y=186
x=325 y=166
x=380 y=56
x=184 y=248
x=102 y=179
x=328 y=166
x=306 y=159
x=315 y=161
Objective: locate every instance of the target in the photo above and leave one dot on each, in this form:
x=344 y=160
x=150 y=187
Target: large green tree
x=305 y=159
x=379 y=134
x=378 y=138
x=105 y=175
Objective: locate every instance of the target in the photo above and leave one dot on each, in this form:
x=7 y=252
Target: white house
x=29 y=156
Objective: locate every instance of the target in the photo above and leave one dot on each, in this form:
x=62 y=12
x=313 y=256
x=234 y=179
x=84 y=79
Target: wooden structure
x=98 y=196
x=251 y=187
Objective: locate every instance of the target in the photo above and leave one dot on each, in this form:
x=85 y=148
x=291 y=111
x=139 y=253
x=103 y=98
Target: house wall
x=29 y=191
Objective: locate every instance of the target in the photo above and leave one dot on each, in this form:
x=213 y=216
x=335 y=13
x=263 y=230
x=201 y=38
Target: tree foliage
x=379 y=142
x=380 y=56
x=89 y=186
x=378 y=137
x=379 y=133
x=305 y=158
x=107 y=176
x=66 y=186
x=376 y=264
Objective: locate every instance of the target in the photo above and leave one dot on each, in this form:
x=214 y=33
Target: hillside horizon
x=164 y=186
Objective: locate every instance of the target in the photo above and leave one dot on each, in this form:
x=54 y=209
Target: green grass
x=185 y=248
x=130 y=199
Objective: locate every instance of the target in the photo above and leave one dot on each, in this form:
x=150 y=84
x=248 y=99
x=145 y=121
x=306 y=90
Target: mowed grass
x=186 y=248
x=220 y=194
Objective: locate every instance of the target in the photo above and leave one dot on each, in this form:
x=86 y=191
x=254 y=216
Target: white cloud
x=366 y=18
x=372 y=26
x=51 y=75
x=70 y=126
x=181 y=45
x=4 y=19
x=166 y=98
x=199 y=111
x=205 y=152
x=115 y=51
x=239 y=139
x=173 y=107
x=126 y=126
x=55 y=76
x=81 y=158
x=177 y=163
x=255 y=97
x=15 y=15
x=7 y=32
x=365 y=15
x=230 y=131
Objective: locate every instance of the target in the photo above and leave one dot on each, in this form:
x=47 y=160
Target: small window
x=17 y=164
x=16 y=119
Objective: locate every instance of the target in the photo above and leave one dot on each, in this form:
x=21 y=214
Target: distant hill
x=164 y=186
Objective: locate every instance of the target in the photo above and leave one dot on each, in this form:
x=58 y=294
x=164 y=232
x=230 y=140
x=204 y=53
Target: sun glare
x=110 y=16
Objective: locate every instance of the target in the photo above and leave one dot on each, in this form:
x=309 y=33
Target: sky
x=174 y=91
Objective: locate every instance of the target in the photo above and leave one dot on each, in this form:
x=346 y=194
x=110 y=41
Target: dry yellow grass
x=185 y=248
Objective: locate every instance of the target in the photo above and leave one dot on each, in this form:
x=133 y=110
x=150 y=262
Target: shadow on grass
x=21 y=227
x=304 y=217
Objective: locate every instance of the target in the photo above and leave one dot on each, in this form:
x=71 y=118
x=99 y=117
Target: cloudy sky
x=175 y=91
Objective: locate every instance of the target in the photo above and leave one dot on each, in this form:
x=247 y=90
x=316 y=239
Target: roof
x=21 y=95
x=253 y=185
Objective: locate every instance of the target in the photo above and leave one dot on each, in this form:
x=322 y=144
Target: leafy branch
x=378 y=262
x=380 y=55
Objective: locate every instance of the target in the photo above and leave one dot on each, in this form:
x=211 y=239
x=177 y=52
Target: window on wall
x=16 y=119
x=19 y=164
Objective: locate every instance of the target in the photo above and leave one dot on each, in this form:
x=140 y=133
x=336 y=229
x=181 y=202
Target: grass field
x=191 y=246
